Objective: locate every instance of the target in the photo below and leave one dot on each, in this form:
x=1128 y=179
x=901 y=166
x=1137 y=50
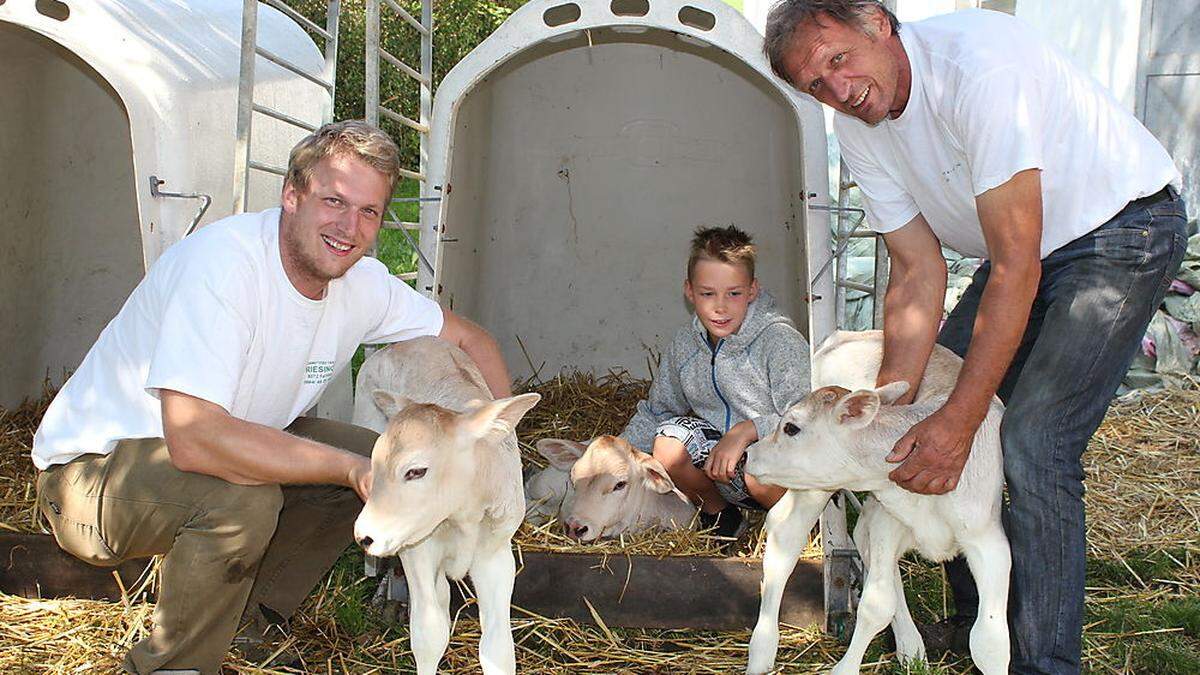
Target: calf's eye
x=791 y=429
x=414 y=474
x=619 y=486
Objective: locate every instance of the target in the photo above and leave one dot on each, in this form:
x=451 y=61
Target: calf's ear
x=560 y=452
x=389 y=403
x=856 y=410
x=497 y=419
x=655 y=474
x=888 y=393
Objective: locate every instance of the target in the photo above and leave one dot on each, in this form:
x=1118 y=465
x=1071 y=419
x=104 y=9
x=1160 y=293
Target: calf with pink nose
x=836 y=439
x=617 y=489
x=446 y=493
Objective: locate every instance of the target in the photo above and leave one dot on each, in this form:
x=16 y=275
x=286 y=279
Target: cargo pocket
x=64 y=500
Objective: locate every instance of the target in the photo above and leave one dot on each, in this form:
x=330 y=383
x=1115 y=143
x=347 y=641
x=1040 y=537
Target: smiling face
x=861 y=71
x=721 y=293
x=328 y=226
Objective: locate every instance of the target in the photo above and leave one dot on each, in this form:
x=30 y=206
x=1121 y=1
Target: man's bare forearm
x=485 y=352
x=203 y=438
x=912 y=312
x=1011 y=217
x=999 y=325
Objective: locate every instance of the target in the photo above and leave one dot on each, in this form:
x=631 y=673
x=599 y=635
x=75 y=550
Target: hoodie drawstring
x=717 y=389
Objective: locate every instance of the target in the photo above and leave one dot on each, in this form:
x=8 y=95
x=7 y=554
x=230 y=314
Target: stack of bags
x=1171 y=346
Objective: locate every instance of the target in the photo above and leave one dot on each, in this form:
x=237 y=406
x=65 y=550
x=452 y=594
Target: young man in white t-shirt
x=181 y=432
x=970 y=131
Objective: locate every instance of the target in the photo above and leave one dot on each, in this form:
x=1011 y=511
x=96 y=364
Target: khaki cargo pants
x=227 y=549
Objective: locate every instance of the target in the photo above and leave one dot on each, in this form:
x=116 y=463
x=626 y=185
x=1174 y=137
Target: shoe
x=266 y=648
x=265 y=654
x=728 y=524
x=949 y=636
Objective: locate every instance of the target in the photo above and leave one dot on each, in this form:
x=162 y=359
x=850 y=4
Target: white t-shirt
x=217 y=318
x=991 y=98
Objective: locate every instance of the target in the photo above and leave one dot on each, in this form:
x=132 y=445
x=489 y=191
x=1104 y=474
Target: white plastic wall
x=579 y=169
x=94 y=102
x=72 y=245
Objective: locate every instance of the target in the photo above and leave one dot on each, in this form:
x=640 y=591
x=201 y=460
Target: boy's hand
x=723 y=459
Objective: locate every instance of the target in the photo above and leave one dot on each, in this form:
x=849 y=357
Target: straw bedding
x=1143 y=479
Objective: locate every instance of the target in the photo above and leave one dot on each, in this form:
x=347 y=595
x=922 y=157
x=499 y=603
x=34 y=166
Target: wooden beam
x=627 y=591
x=649 y=592
x=33 y=566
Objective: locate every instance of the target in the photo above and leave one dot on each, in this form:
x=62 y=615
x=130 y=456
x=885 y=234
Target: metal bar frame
x=408 y=18
x=283 y=117
x=246 y=107
x=402 y=66
x=288 y=65
x=300 y=18
x=401 y=119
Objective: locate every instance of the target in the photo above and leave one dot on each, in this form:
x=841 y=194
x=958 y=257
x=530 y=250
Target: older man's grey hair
x=787 y=15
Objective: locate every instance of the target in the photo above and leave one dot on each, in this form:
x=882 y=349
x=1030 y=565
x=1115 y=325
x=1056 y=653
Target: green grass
x=392 y=248
x=1140 y=568
x=349 y=595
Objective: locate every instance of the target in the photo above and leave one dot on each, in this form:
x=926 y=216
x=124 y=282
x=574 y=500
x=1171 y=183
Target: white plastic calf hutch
x=575 y=151
x=96 y=98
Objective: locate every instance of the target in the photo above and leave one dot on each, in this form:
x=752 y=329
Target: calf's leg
x=878 y=604
x=909 y=645
x=492 y=574
x=788 y=524
x=429 y=611
x=990 y=561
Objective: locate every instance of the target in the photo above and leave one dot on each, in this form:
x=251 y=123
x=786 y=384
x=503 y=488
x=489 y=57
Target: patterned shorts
x=699 y=438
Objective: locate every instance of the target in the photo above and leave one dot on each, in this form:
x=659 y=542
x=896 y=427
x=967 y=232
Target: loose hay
x=580 y=406
x=1143 y=478
x=18 y=510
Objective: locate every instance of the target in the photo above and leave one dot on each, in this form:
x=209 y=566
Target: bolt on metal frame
x=246 y=105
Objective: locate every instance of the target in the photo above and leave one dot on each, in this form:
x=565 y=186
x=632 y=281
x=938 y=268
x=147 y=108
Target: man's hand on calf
x=933 y=453
x=359 y=478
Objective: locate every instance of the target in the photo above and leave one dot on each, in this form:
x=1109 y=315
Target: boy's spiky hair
x=723 y=244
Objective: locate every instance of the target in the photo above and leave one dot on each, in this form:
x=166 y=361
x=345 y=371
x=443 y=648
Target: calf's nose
x=365 y=541
x=574 y=529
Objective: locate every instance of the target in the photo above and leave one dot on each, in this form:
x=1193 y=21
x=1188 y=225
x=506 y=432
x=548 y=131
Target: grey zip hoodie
x=754 y=374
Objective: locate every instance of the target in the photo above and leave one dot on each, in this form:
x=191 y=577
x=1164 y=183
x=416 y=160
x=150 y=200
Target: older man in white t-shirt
x=181 y=432
x=970 y=131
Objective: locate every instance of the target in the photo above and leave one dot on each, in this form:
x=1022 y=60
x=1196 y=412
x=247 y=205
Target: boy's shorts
x=699 y=438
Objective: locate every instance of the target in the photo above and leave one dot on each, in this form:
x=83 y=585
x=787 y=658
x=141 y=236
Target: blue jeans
x=1096 y=296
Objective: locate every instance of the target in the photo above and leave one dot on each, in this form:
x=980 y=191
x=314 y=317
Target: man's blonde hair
x=349 y=137
x=723 y=244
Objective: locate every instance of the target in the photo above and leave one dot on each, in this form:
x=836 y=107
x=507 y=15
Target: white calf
x=446 y=492
x=619 y=489
x=837 y=439
x=847 y=359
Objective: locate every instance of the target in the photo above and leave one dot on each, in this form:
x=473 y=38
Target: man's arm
x=935 y=450
x=912 y=306
x=482 y=348
x=203 y=438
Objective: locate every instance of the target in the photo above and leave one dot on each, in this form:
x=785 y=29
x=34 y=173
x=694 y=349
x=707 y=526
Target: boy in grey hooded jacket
x=724 y=381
